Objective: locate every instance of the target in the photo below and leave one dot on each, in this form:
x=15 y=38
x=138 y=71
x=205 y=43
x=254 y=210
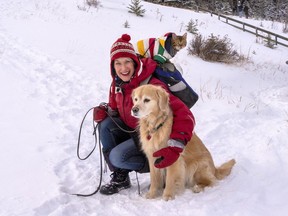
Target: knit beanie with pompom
x=122 y=48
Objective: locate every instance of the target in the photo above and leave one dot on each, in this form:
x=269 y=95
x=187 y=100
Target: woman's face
x=124 y=68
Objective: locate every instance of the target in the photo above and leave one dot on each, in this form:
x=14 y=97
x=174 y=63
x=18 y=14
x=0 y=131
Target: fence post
x=244 y=27
x=276 y=39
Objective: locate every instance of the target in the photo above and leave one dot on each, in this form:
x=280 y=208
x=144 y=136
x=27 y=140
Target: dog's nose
x=135 y=110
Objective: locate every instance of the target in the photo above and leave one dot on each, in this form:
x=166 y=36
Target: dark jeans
x=119 y=148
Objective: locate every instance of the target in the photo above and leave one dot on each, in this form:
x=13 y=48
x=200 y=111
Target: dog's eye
x=135 y=99
x=146 y=100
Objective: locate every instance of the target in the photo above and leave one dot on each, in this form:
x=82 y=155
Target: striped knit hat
x=122 y=48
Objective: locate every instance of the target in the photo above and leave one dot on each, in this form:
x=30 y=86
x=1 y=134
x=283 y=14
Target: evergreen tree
x=259 y=9
x=269 y=42
x=192 y=26
x=136 y=8
x=126 y=24
x=282 y=9
x=223 y=7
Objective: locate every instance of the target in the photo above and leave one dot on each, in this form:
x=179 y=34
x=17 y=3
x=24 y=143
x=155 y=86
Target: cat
x=161 y=49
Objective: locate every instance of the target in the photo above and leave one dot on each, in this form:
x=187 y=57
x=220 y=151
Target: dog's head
x=148 y=99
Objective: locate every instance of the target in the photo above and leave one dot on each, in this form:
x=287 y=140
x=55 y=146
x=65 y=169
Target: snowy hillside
x=54 y=66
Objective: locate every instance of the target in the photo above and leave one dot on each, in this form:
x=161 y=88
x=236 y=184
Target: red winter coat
x=120 y=99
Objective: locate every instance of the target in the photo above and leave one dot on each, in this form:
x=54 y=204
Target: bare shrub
x=87 y=4
x=93 y=3
x=195 y=45
x=214 y=49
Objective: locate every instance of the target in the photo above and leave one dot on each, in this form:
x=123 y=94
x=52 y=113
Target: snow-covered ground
x=54 y=66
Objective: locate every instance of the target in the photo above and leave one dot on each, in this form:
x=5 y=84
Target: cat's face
x=179 y=42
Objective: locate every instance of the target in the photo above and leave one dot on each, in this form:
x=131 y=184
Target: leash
x=95 y=127
x=79 y=137
x=121 y=128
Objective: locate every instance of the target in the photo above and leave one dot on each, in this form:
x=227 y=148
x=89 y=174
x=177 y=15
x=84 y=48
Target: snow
x=54 y=66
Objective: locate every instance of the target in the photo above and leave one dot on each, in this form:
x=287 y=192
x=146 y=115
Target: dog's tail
x=225 y=169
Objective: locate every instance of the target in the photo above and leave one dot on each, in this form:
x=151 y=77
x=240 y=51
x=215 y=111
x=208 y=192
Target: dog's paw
x=150 y=195
x=168 y=197
x=197 y=188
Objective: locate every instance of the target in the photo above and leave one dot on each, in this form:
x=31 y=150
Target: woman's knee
x=121 y=153
x=127 y=156
x=115 y=158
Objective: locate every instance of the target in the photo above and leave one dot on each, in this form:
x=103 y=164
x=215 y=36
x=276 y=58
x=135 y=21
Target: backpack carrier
x=172 y=77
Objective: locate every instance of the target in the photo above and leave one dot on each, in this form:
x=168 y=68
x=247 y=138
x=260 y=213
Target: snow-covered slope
x=54 y=66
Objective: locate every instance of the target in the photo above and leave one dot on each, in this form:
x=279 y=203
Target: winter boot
x=119 y=180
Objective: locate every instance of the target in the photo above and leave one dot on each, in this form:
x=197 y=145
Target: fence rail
x=259 y=32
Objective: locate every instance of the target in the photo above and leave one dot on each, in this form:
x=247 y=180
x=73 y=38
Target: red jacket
x=120 y=99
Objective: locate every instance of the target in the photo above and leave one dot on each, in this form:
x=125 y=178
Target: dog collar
x=156 y=128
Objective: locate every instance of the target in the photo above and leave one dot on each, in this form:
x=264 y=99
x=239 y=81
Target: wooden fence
x=259 y=32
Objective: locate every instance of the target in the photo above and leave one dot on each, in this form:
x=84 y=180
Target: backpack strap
x=166 y=66
x=146 y=81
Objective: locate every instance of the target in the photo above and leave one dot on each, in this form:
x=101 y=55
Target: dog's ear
x=132 y=94
x=163 y=97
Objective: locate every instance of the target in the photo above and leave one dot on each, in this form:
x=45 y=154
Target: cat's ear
x=185 y=35
x=174 y=36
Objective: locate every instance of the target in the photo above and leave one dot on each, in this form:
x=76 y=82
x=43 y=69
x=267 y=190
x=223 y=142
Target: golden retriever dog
x=194 y=168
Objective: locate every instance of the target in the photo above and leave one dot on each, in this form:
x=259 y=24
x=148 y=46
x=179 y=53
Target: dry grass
x=214 y=49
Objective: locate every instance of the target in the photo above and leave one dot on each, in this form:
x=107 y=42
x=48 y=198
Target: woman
x=118 y=135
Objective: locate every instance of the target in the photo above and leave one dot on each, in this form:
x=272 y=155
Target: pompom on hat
x=123 y=48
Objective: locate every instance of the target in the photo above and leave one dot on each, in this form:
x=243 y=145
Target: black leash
x=79 y=136
x=95 y=127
